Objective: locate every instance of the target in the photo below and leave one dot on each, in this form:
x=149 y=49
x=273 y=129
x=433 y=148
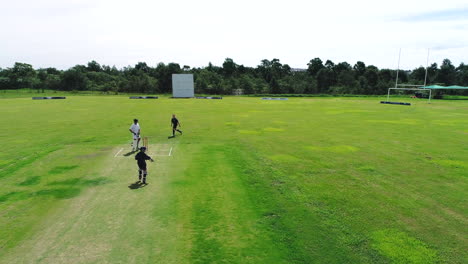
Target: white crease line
x=118 y=153
x=170 y=152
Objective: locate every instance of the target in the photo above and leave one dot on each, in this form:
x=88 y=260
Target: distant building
x=298 y=70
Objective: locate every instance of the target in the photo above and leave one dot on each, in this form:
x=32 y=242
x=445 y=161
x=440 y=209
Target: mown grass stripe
x=11 y=168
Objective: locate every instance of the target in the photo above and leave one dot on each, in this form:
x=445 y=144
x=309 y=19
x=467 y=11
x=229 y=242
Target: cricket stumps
x=145 y=142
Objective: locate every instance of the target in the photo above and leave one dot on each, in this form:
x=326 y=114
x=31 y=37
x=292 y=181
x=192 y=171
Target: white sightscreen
x=182 y=85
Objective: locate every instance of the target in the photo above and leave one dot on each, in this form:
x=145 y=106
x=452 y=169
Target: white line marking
x=118 y=153
x=170 y=152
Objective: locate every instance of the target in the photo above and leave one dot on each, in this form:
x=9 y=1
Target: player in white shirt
x=135 y=130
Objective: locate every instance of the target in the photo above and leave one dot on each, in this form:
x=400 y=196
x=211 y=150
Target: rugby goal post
x=410 y=89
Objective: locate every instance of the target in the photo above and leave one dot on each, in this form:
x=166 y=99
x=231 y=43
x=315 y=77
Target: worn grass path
x=106 y=223
x=210 y=219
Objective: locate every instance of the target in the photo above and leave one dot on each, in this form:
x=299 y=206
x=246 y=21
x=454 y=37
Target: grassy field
x=308 y=180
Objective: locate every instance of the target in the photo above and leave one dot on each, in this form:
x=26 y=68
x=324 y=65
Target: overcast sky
x=63 y=33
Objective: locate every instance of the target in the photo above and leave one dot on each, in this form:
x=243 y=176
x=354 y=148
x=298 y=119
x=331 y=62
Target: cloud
x=455 y=14
x=450 y=46
x=119 y=32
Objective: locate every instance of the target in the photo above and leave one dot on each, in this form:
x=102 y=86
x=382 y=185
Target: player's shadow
x=129 y=153
x=136 y=185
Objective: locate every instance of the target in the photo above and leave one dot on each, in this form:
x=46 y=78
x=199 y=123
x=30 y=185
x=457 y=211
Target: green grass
x=308 y=180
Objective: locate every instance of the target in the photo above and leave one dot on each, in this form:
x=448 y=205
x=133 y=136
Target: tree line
x=269 y=77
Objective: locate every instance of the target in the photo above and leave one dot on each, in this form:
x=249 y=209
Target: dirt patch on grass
x=400 y=122
x=82 y=182
x=337 y=112
x=334 y=149
x=279 y=122
x=62 y=169
x=249 y=132
x=232 y=123
x=284 y=158
x=30 y=181
x=401 y=248
x=273 y=129
x=451 y=163
x=90 y=156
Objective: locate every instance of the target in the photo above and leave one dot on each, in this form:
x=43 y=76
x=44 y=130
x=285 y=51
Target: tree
x=273 y=71
x=359 y=68
x=48 y=78
x=227 y=85
x=101 y=81
x=298 y=83
x=326 y=78
x=4 y=83
x=314 y=66
x=346 y=79
x=342 y=66
x=80 y=68
x=229 y=67
x=93 y=66
x=213 y=68
x=274 y=86
x=164 y=75
x=42 y=77
x=447 y=73
x=278 y=71
x=73 y=80
x=363 y=86
x=285 y=70
x=22 y=75
x=143 y=67
x=417 y=75
x=286 y=85
x=329 y=64
x=52 y=71
x=432 y=72
x=53 y=82
x=246 y=83
x=265 y=70
x=207 y=81
x=371 y=76
x=462 y=74
x=270 y=76
x=244 y=70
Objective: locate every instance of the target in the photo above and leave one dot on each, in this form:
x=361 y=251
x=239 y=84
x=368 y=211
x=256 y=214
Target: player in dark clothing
x=174 y=123
x=141 y=159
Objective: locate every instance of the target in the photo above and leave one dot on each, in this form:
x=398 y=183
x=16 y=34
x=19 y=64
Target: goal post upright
x=427 y=65
x=398 y=69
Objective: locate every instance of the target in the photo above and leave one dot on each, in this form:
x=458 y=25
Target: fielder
x=135 y=130
x=141 y=159
x=175 y=123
